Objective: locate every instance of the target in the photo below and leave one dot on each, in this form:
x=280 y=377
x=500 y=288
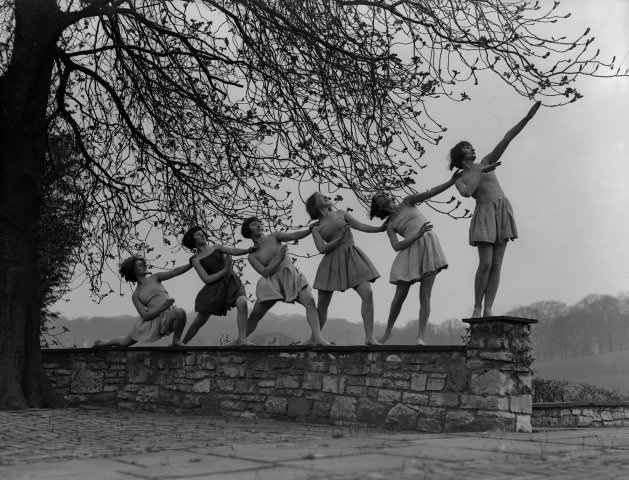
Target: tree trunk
x=24 y=89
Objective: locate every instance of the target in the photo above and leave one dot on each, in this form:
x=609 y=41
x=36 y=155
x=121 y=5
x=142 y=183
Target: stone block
x=202 y=386
x=84 y=380
x=521 y=404
x=501 y=356
x=232 y=371
x=299 y=407
x=333 y=383
x=147 y=394
x=419 y=382
x=276 y=405
x=523 y=423
x=401 y=417
x=312 y=381
x=484 y=402
x=370 y=412
x=444 y=400
x=320 y=409
x=385 y=395
x=436 y=382
x=343 y=408
x=492 y=382
x=415 y=398
x=394 y=358
x=287 y=381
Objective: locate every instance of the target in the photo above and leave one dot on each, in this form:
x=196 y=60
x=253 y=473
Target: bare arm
x=161 y=276
x=292 y=236
x=207 y=278
x=497 y=152
x=322 y=245
x=364 y=227
x=234 y=250
x=402 y=244
x=271 y=268
x=150 y=313
x=468 y=182
x=416 y=198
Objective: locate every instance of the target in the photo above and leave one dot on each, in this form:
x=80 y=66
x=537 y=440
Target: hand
x=426 y=227
x=456 y=175
x=166 y=304
x=283 y=251
x=385 y=224
x=191 y=258
x=313 y=225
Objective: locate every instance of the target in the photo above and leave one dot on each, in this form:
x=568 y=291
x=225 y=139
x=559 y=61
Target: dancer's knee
x=241 y=303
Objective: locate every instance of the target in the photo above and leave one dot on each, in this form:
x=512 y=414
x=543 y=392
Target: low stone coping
x=272 y=348
x=564 y=405
x=499 y=319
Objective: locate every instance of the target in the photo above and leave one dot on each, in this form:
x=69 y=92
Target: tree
x=206 y=111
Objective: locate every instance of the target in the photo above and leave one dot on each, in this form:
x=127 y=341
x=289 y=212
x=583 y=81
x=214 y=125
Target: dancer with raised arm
x=280 y=280
x=343 y=265
x=420 y=256
x=158 y=315
x=493 y=223
x=223 y=289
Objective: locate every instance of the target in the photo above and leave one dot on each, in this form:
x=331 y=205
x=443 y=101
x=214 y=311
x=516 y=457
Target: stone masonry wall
x=581 y=414
x=485 y=385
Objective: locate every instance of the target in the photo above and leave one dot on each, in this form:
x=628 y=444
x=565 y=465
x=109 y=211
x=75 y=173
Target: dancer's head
x=314 y=204
x=381 y=205
x=194 y=238
x=246 y=230
x=131 y=267
x=461 y=151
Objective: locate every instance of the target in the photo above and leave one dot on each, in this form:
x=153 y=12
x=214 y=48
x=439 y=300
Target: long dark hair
x=188 y=238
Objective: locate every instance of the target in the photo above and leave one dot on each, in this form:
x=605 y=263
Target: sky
x=566 y=175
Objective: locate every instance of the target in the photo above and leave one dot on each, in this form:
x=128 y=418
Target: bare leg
x=115 y=342
x=307 y=300
x=425 y=290
x=494 y=278
x=241 y=306
x=401 y=291
x=194 y=327
x=259 y=310
x=323 y=302
x=179 y=322
x=366 y=310
x=485 y=252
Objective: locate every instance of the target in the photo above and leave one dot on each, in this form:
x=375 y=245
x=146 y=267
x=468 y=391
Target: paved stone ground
x=102 y=444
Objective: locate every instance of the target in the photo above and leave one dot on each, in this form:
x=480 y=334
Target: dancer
x=280 y=280
x=158 y=315
x=420 y=256
x=493 y=224
x=343 y=264
x=223 y=290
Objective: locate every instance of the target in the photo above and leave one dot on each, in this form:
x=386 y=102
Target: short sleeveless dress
x=493 y=221
x=346 y=266
x=285 y=284
x=218 y=297
x=156 y=328
x=420 y=258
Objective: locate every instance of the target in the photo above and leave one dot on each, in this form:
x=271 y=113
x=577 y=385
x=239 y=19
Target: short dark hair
x=375 y=210
x=188 y=238
x=456 y=154
x=245 y=231
x=311 y=206
x=127 y=268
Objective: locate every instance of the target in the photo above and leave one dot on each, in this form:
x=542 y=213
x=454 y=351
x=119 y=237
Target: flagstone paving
x=105 y=444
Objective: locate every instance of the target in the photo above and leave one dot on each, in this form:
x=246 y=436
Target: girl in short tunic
x=493 y=223
x=343 y=265
x=420 y=256
x=223 y=289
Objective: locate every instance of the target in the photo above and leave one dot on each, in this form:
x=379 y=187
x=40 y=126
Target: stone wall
x=484 y=385
x=581 y=414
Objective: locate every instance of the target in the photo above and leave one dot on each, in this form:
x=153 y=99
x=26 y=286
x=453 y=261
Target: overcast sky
x=566 y=175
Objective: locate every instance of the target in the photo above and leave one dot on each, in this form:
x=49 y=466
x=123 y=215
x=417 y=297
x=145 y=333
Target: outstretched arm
x=207 y=278
x=416 y=198
x=292 y=236
x=364 y=227
x=402 y=244
x=497 y=152
x=161 y=276
x=322 y=245
x=234 y=250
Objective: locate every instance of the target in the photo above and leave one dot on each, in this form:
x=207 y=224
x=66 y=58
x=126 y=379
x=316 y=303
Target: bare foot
x=177 y=343
x=384 y=338
x=239 y=342
x=420 y=341
x=371 y=341
x=488 y=313
x=476 y=312
x=322 y=342
x=99 y=344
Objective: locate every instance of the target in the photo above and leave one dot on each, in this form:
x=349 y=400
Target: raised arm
x=402 y=244
x=150 y=313
x=322 y=245
x=234 y=250
x=364 y=227
x=292 y=236
x=206 y=277
x=161 y=276
x=271 y=268
x=416 y=198
x=497 y=152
